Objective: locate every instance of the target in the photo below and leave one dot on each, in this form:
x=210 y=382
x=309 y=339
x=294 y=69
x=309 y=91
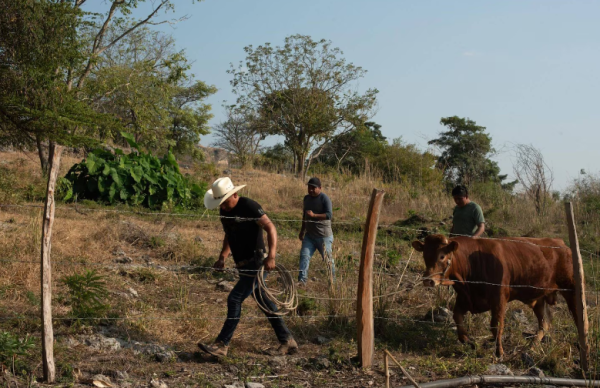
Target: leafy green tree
x=277 y=157
x=405 y=163
x=304 y=91
x=48 y=50
x=144 y=82
x=465 y=153
x=353 y=148
x=38 y=42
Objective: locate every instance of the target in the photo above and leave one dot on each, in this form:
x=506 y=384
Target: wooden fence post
x=54 y=152
x=579 y=278
x=364 y=305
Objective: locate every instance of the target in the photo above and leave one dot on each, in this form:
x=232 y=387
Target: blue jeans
x=240 y=292
x=309 y=246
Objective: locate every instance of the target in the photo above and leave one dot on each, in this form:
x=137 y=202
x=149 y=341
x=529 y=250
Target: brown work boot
x=218 y=349
x=288 y=347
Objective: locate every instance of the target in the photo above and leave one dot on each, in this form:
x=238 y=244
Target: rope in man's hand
x=285 y=299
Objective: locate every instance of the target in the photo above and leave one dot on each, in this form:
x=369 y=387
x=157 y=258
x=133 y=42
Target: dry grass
x=178 y=308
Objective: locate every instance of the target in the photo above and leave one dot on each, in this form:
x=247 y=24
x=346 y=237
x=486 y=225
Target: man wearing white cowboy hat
x=243 y=221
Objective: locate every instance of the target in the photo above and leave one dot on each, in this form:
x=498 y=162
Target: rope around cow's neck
x=285 y=300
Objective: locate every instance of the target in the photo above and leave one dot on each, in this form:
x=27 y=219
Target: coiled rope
x=285 y=299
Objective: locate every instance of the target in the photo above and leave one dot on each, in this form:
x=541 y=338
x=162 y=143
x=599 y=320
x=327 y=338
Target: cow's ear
x=418 y=245
x=452 y=247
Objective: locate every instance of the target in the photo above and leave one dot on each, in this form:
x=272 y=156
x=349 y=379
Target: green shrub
x=87 y=294
x=11 y=346
x=393 y=258
x=136 y=179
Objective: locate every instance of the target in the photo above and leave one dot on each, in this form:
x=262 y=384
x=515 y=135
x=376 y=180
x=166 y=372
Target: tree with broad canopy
x=304 y=90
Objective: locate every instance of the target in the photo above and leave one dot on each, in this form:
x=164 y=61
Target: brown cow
x=486 y=274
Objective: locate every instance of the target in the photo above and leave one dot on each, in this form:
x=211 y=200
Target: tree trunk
x=300 y=170
x=42 y=155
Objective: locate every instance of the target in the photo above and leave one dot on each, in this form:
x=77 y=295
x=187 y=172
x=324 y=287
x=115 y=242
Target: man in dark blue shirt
x=316 y=233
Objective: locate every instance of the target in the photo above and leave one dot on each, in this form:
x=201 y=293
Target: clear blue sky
x=526 y=70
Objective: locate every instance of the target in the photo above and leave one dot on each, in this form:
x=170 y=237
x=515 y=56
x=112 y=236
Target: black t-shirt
x=245 y=237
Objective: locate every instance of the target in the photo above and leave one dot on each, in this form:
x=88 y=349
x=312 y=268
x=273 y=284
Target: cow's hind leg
x=497 y=325
x=571 y=303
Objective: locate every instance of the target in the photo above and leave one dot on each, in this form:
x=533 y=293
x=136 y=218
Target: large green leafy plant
x=137 y=178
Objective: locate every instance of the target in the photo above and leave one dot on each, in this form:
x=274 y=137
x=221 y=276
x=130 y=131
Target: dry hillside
x=163 y=298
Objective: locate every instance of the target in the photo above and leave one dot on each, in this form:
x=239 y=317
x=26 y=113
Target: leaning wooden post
x=54 y=152
x=579 y=278
x=364 y=305
x=386 y=365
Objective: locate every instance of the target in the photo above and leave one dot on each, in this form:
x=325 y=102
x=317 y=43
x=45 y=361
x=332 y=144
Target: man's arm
x=268 y=226
x=316 y=216
x=480 y=221
x=322 y=216
x=480 y=230
x=303 y=227
x=225 y=252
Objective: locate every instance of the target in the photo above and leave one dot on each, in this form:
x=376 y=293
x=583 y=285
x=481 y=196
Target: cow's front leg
x=542 y=314
x=459 y=319
x=497 y=326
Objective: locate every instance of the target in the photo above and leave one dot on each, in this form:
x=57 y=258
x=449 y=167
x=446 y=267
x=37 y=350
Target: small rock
x=124 y=260
x=442 y=223
x=70 y=342
x=133 y=292
x=156 y=383
x=101 y=381
x=147 y=259
x=237 y=384
x=320 y=363
x=320 y=340
x=519 y=316
x=224 y=286
x=527 y=359
x=172 y=236
x=160 y=353
x=119 y=252
x=278 y=362
x=254 y=385
x=198 y=239
x=499 y=370
x=440 y=314
x=536 y=372
x=314 y=279
x=233 y=369
x=100 y=342
x=121 y=375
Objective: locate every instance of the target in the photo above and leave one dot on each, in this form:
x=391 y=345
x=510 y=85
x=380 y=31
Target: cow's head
x=438 y=252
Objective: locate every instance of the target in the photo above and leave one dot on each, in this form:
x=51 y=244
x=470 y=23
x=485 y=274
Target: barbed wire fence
x=343 y=271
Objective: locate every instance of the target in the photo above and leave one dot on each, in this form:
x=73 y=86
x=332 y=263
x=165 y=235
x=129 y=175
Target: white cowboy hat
x=222 y=189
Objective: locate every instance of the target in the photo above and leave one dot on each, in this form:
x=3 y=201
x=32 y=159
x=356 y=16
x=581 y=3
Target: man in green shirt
x=467 y=219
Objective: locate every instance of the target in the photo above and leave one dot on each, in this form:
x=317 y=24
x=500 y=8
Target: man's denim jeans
x=309 y=246
x=240 y=292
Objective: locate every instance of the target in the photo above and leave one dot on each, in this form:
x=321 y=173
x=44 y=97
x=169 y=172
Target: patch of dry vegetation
x=178 y=303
